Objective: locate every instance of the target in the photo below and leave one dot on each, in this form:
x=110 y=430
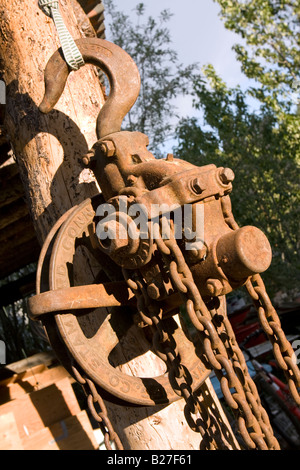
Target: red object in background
x=283 y=392
x=242 y=331
x=239 y=316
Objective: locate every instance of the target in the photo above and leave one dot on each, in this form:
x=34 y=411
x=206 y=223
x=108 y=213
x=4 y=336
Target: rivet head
x=131 y=180
x=88 y=157
x=214 y=287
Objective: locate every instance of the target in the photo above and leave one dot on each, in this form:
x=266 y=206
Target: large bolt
x=153 y=291
x=131 y=180
x=226 y=175
x=87 y=159
x=170 y=157
x=214 y=287
x=196 y=187
x=108 y=147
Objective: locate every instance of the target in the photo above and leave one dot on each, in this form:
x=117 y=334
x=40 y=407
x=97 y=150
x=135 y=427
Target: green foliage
x=261 y=145
x=148 y=42
x=270 y=52
x=21 y=336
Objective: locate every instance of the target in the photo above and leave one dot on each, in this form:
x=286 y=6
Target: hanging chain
x=94 y=400
x=269 y=320
x=165 y=347
x=221 y=350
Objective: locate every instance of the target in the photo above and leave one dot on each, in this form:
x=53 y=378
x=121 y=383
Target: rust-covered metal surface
x=164 y=233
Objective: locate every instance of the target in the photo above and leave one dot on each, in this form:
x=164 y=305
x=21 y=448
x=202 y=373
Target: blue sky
x=198 y=35
x=197 y=32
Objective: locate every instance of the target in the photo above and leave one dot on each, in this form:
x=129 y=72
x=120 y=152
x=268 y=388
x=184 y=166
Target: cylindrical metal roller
x=244 y=252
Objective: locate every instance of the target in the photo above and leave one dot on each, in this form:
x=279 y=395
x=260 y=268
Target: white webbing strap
x=71 y=52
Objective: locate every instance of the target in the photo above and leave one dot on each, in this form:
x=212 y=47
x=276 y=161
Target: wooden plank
x=18 y=289
x=42 y=408
x=12 y=212
x=9 y=436
x=29 y=383
x=13 y=377
x=73 y=433
x=21 y=230
x=11 y=184
x=4 y=147
x=44 y=358
x=15 y=255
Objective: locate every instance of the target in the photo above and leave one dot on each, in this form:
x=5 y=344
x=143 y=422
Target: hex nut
x=108 y=147
x=196 y=186
x=226 y=175
x=153 y=291
x=214 y=287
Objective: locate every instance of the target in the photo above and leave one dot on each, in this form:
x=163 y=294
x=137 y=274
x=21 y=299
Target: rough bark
x=48 y=150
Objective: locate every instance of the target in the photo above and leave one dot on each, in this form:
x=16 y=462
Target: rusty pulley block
x=120 y=234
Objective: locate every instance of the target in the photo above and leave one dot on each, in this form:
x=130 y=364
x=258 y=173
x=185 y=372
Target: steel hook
x=121 y=70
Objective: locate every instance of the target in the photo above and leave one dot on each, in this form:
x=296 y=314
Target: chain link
x=270 y=322
x=222 y=352
x=220 y=349
x=94 y=400
x=269 y=319
x=165 y=347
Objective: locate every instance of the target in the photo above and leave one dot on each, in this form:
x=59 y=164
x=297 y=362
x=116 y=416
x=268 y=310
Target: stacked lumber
x=40 y=411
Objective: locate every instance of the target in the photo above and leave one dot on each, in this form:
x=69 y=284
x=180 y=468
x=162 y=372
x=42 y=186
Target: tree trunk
x=48 y=150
